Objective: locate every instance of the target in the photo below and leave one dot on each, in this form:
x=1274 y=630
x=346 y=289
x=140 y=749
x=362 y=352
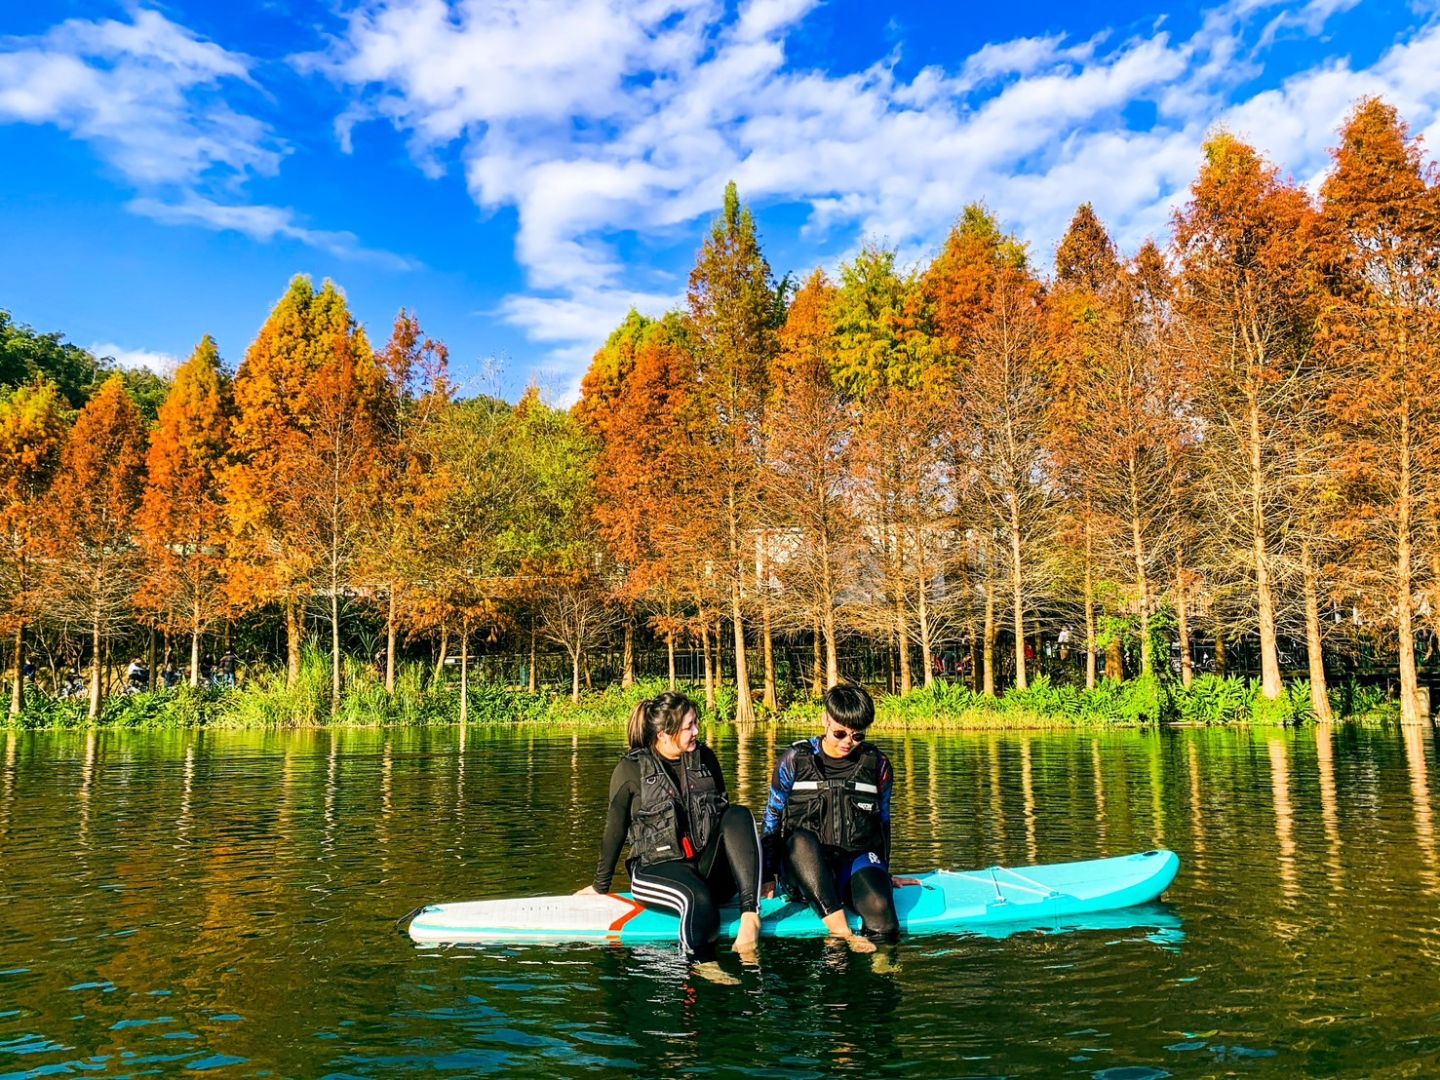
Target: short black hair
x=849 y=704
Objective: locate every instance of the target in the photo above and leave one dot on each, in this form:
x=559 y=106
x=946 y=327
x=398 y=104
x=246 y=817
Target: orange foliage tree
x=95 y=499
x=182 y=523
x=959 y=287
x=640 y=468
x=415 y=368
x=32 y=434
x=808 y=445
x=1380 y=235
x=1247 y=310
x=311 y=403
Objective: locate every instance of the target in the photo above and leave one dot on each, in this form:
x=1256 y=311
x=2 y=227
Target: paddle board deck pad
x=944 y=901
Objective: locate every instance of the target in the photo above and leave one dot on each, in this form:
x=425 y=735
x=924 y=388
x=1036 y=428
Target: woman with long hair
x=691 y=850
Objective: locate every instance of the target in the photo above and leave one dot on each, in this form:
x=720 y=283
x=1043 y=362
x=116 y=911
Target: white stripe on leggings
x=668 y=896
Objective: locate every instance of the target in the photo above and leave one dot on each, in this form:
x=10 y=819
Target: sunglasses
x=840 y=734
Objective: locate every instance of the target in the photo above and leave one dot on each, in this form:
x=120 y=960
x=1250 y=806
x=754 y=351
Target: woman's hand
x=588 y=890
x=902 y=882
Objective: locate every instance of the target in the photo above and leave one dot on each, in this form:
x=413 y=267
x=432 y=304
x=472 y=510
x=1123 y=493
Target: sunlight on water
x=182 y=902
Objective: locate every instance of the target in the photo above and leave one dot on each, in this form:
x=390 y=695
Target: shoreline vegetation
x=266 y=703
x=978 y=484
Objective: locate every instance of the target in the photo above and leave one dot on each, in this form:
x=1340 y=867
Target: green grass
x=264 y=700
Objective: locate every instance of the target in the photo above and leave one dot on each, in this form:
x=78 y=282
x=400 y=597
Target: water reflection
x=1197 y=811
x=1027 y=791
x=264 y=937
x=997 y=802
x=7 y=783
x=1099 y=774
x=1284 y=817
x=1414 y=739
x=1329 y=806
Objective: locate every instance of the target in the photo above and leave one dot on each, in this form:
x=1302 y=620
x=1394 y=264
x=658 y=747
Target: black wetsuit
x=825 y=871
x=695 y=885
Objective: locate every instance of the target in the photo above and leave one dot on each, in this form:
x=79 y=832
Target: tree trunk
x=1270 y=684
x=770 y=700
x=1092 y=657
x=1017 y=591
x=1142 y=585
x=744 y=707
x=927 y=653
x=627 y=663
x=444 y=654
x=975 y=661
x=987 y=686
x=1115 y=659
x=334 y=650
x=464 y=669
x=575 y=674
x=1182 y=622
x=1319 y=691
x=709 y=667
x=902 y=623
x=670 y=658
x=390 y=644
x=96 y=664
x=827 y=617
x=534 y=684
x=817 y=670
x=195 y=647
x=1221 y=662
x=150 y=661
x=1410 y=712
x=17 y=688
x=294 y=629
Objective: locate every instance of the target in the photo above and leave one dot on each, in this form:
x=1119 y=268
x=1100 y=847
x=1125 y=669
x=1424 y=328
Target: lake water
x=189 y=902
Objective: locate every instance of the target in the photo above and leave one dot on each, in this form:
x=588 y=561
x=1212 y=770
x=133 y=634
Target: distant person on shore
x=225 y=668
x=827 y=823
x=691 y=851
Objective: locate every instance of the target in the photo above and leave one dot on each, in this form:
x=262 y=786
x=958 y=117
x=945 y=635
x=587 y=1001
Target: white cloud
x=262 y=223
x=149 y=95
x=161 y=363
x=145 y=93
x=594 y=118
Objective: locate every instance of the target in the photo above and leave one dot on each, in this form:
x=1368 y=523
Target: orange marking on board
x=635 y=909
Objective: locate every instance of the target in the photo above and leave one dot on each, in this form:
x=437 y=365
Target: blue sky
x=520 y=172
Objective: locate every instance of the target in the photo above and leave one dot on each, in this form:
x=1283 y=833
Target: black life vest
x=666 y=818
x=841 y=808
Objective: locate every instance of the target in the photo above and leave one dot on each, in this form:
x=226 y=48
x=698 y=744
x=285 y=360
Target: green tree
x=732 y=310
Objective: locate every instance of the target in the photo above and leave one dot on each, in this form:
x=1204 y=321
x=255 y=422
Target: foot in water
x=840 y=930
x=887 y=961
x=856 y=943
x=711 y=971
x=749 y=936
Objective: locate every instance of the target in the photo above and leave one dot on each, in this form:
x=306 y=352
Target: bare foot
x=711 y=971
x=839 y=928
x=749 y=935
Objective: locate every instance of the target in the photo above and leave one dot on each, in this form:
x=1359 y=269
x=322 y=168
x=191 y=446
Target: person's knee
x=737 y=821
x=802 y=840
x=874 y=902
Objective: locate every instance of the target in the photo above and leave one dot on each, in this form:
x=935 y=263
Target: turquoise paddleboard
x=943 y=901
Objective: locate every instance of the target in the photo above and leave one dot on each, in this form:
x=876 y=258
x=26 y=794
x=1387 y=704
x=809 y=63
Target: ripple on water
x=283 y=856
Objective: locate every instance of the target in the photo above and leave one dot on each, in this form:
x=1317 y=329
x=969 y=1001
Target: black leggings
x=728 y=867
x=817 y=870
